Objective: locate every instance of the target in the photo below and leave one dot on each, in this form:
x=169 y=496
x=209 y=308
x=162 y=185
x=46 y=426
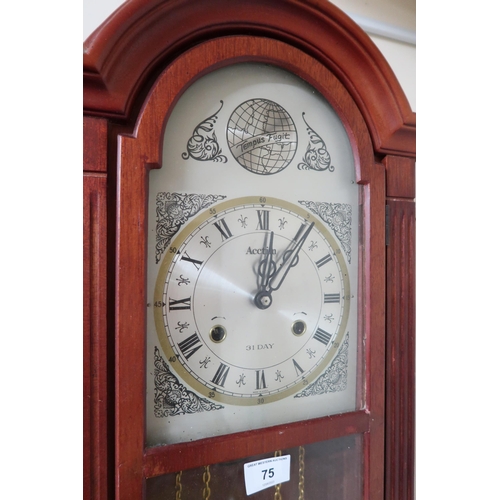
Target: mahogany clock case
x=128 y=97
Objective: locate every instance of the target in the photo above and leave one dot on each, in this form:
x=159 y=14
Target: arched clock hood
x=123 y=56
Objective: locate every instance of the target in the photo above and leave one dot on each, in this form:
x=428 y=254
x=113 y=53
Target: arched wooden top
x=127 y=52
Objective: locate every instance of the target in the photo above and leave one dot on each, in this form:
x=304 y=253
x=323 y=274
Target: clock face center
x=263 y=300
x=253 y=328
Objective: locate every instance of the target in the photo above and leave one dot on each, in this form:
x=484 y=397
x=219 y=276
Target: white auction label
x=267 y=472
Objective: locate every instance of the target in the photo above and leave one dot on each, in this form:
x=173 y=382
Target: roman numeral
x=196 y=263
x=190 y=345
x=324 y=260
x=298 y=369
x=176 y=305
x=322 y=336
x=332 y=298
x=221 y=375
x=221 y=225
x=263 y=219
x=260 y=379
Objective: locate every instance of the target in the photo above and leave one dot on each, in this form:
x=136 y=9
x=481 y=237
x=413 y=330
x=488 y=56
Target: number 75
x=269 y=472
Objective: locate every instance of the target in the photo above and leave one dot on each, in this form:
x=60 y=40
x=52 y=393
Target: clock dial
x=252 y=259
x=252 y=301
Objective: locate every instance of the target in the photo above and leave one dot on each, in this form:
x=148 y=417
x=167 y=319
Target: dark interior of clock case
x=333 y=466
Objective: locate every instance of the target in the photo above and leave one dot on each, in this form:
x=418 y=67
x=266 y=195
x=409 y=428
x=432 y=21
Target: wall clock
x=255 y=267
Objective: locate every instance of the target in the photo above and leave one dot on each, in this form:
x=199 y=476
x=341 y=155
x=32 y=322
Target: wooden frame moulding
x=400 y=329
x=140 y=152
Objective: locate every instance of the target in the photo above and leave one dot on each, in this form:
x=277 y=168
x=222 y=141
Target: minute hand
x=278 y=277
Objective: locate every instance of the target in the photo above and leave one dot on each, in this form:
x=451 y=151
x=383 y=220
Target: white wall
x=390 y=24
x=95 y=12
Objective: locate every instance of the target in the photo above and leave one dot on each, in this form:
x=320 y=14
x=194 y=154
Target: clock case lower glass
x=328 y=469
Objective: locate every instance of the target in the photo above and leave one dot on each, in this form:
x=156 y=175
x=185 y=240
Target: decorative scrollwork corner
x=338 y=216
x=316 y=156
x=334 y=379
x=203 y=144
x=171 y=397
x=173 y=210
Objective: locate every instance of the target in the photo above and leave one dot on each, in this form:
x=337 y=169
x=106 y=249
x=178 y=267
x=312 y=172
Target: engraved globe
x=262 y=136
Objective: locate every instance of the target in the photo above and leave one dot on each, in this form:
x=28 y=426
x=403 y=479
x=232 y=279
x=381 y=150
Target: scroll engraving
x=203 y=144
x=171 y=397
x=338 y=216
x=316 y=156
x=335 y=377
x=173 y=210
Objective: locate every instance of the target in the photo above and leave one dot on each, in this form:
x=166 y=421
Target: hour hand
x=267 y=265
x=266 y=269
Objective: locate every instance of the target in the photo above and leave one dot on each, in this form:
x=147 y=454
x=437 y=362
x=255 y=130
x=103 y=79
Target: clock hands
x=266 y=269
x=290 y=259
x=271 y=280
x=267 y=266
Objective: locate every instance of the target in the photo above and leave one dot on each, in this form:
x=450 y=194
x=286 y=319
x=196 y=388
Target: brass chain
x=302 y=453
x=206 y=480
x=277 y=487
x=277 y=493
x=178 y=486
